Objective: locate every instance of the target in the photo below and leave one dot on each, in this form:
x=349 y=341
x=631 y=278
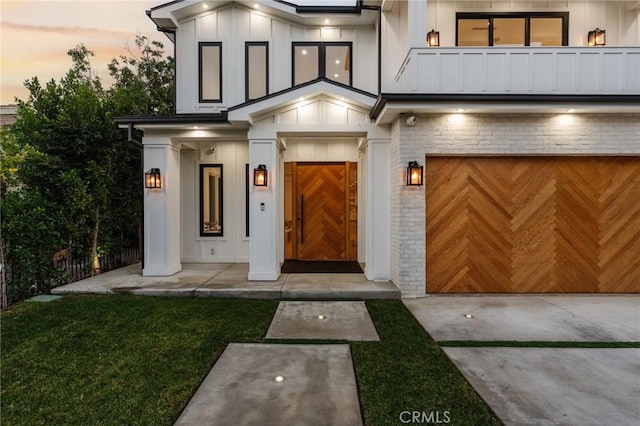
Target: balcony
x=520 y=70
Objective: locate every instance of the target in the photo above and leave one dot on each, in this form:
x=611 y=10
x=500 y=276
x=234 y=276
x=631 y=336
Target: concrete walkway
x=288 y=384
x=230 y=280
x=535 y=386
x=271 y=384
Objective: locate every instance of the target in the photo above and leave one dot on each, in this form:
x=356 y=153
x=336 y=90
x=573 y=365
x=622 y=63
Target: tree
x=71 y=172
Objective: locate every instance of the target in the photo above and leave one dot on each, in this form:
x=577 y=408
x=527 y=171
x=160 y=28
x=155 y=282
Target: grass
x=116 y=359
x=406 y=371
x=137 y=360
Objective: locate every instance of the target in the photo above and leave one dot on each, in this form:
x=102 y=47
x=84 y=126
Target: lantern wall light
x=152 y=179
x=414 y=174
x=597 y=37
x=260 y=175
x=433 y=38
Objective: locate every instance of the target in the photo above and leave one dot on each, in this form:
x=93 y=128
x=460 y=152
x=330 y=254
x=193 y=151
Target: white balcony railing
x=535 y=70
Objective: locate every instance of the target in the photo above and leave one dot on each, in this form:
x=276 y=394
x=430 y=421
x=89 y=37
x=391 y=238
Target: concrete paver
x=318 y=387
x=569 y=386
x=602 y=318
x=322 y=320
x=347 y=286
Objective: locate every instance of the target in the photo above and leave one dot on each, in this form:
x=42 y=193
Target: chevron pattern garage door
x=533 y=225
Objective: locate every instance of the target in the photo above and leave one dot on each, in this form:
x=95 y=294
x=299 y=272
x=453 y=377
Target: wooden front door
x=321 y=210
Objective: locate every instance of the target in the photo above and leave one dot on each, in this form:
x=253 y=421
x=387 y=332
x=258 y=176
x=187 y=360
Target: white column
x=377 y=202
x=162 y=209
x=417 y=23
x=263 y=212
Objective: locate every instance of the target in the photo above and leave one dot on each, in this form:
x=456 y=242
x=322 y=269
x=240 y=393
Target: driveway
x=534 y=384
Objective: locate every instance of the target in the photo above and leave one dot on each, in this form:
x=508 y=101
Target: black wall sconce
x=152 y=179
x=597 y=37
x=414 y=174
x=260 y=175
x=433 y=38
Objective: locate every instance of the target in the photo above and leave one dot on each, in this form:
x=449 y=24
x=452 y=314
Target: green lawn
x=136 y=360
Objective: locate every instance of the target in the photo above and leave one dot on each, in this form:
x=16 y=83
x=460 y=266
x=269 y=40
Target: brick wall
x=485 y=134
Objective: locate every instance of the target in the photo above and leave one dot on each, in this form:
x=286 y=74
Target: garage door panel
x=619 y=257
x=543 y=224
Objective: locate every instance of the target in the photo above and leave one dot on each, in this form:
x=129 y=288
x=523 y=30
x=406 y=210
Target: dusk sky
x=36 y=35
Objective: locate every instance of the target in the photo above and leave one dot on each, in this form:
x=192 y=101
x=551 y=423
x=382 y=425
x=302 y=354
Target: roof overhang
x=344 y=12
x=389 y=105
x=248 y=111
x=175 y=121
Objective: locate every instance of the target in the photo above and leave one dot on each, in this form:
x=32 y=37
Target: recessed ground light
x=468 y=316
x=304 y=52
x=196 y=127
x=279 y=379
x=336 y=75
x=337 y=61
x=571 y=110
x=460 y=110
x=321 y=317
x=326 y=21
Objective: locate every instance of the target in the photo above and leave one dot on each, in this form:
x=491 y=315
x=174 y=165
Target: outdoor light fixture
x=321 y=317
x=597 y=37
x=152 y=179
x=260 y=175
x=433 y=38
x=279 y=379
x=414 y=174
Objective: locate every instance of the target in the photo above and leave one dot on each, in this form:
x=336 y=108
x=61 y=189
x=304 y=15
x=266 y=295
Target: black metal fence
x=73 y=264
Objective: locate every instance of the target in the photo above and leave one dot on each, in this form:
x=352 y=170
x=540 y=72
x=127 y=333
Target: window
x=330 y=59
x=256 y=70
x=210 y=200
x=512 y=29
x=210 y=65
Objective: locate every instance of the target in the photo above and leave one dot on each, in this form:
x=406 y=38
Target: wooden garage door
x=533 y=225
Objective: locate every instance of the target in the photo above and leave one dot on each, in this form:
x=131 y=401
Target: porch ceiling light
x=433 y=38
x=152 y=179
x=597 y=37
x=260 y=175
x=414 y=174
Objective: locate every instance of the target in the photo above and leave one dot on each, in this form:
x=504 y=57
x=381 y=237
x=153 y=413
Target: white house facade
x=524 y=117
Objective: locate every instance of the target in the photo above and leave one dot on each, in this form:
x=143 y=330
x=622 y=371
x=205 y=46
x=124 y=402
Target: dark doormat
x=320 y=267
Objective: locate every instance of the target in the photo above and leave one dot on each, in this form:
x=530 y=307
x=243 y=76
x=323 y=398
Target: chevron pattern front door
x=321 y=211
x=533 y=225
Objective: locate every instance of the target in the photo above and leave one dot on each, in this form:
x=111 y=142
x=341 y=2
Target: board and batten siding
x=233 y=25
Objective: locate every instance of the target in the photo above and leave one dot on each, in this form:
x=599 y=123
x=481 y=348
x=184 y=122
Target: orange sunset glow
x=36 y=35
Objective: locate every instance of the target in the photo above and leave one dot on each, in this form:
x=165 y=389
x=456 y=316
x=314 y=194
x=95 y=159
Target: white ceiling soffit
x=392 y=109
x=168 y=16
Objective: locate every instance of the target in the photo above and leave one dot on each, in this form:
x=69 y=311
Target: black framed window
x=331 y=60
x=210 y=71
x=256 y=59
x=211 y=200
x=512 y=29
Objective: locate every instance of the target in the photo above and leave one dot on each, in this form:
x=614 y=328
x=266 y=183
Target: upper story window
x=210 y=71
x=512 y=29
x=256 y=57
x=322 y=59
